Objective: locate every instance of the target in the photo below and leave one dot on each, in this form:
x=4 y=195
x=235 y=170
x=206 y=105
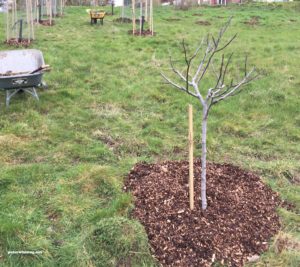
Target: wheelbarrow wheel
x=43 y=85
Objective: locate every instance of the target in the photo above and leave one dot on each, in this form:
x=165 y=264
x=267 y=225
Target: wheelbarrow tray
x=16 y=67
x=97 y=14
x=20 y=81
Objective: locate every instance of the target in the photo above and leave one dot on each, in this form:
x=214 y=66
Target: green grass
x=64 y=158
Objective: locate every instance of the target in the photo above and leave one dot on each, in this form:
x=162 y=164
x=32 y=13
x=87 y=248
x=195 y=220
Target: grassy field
x=63 y=159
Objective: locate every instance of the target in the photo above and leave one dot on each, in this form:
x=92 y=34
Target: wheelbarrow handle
x=44 y=68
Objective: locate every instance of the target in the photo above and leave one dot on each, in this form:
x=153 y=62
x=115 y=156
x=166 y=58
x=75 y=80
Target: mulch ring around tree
x=143 y=33
x=125 y=20
x=18 y=43
x=203 y=22
x=235 y=228
x=46 y=22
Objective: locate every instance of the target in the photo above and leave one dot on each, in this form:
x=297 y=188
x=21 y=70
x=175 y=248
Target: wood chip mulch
x=125 y=20
x=143 y=33
x=15 y=42
x=236 y=227
x=47 y=22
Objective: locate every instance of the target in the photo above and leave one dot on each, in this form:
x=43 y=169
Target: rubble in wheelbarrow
x=10 y=73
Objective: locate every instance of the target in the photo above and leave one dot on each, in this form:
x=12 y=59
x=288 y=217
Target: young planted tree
x=223 y=86
x=20 y=21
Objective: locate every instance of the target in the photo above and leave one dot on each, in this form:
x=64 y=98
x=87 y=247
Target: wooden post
x=7 y=22
x=141 y=14
x=191 y=158
x=61 y=7
x=151 y=17
x=146 y=10
x=133 y=17
x=50 y=10
x=27 y=20
x=15 y=17
x=123 y=9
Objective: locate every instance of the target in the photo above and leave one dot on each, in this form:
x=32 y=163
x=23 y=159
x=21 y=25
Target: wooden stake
x=146 y=11
x=32 y=10
x=141 y=14
x=15 y=18
x=123 y=9
x=27 y=19
x=7 y=22
x=151 y=15
x=61 y=7
x=50 y=10
x=191 y=158
x=133 y=17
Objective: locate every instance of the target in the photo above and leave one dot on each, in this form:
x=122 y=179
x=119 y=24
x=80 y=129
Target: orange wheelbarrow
x=97 y=14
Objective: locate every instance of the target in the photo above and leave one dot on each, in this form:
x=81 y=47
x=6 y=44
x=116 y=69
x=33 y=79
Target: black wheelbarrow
x=21 y=70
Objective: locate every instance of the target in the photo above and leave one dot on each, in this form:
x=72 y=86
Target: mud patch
x=172 y=19
x=203 y=22
x=255 y=20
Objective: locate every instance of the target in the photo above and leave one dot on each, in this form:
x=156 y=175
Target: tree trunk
x=203 y=159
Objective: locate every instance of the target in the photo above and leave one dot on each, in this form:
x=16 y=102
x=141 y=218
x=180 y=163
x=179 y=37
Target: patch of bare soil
x=46 y=22
x=17 y=43
x=203 y=22
x=253 y=21
x=236 y=227
x=172 y=19
x=143 y=33
x=125 y=20
x=197 y=15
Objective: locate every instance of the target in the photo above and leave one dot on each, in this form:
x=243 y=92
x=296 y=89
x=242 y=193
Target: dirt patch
x=203 y=22
x=143 y=33
x=284 y=242
x=17 y=43
x=125 y=20
x=197 y=15
x=253 y=21
x=46 y=22
x=111 y=142
x=237 y=225
x=292 y=176
x=53 y=216
x=172 y=19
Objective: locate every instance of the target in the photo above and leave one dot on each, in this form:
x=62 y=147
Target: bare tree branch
x=189 y=61
x=178 y=72
x=178 y=86
x=231 y=90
